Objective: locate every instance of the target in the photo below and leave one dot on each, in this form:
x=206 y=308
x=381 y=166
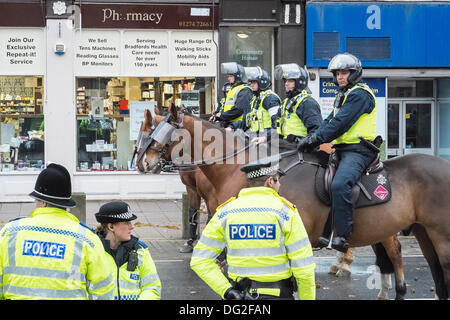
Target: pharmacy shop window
x=108 y=111
x=21 y=123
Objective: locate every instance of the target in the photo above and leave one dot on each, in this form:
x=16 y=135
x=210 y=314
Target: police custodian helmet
x=292 y=71
x=346 y=61
x=53 y=186
x=116 y=211
x=259 y=75
x=235 y=69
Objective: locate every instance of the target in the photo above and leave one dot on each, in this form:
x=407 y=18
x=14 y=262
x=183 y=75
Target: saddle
x=372 y=188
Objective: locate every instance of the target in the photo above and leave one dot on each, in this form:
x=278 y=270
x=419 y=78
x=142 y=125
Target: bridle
x=161 y=134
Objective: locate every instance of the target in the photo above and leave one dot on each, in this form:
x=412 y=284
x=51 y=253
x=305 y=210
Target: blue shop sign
x=329 y=90
x=381 y=34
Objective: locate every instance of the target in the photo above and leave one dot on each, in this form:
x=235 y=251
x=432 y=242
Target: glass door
x=410 y=127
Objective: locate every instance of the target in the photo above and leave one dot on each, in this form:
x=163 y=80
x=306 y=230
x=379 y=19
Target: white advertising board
x=97 y=53
x=22 y=51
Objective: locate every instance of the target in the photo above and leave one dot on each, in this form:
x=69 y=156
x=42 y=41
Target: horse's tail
x=383 y=261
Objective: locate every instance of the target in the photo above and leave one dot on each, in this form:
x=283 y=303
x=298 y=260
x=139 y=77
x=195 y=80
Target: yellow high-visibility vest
x=265 y=240
x=290 y=123
x=365 y=126
x=259 y=118
x=231 y=99
x=143 y=283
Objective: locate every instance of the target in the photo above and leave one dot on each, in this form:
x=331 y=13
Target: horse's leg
x=343 y=264
x=441 y=243
x=432 y=258
x=392 y=256
x=194 y=206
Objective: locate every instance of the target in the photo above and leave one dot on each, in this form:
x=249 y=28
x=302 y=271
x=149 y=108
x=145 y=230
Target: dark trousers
x=351 y=166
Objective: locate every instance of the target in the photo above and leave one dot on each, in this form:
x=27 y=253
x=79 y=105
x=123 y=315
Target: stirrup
x=326 y=243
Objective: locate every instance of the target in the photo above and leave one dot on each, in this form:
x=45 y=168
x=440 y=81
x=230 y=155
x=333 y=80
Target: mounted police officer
x=265 y=240
x=51 y=255
x=300 y=112
x=354 y=116
x=237 y=103
x=265 y=104
x=221 y=105
x=129 y=259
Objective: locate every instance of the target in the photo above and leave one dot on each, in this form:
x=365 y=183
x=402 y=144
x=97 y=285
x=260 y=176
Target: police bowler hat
x=53 y=186
x=264 y=167
x=116 y=211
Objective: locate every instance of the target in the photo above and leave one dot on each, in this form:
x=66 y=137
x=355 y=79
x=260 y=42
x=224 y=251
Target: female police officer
x=130 y=262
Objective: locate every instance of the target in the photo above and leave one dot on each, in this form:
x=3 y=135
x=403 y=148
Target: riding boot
x=340 y=244
x=193 y=223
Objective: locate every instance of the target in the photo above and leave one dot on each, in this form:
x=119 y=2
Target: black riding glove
x=308 y=143
x=232 y=294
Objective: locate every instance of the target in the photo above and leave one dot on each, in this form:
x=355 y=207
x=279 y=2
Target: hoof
x=187 y=248
x=343 y=273
x=382 y=298
x=333 y=269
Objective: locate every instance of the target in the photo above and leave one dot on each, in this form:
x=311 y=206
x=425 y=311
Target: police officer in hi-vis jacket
x=51 y=255
x=354 y=116
x=237 y=101
x=265 y=240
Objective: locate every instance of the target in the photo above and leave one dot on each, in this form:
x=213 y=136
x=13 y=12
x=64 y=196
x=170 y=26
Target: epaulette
x=229 y=200
x=81 y=223
x=18 y=218
x=143 y=244
x=288 y=203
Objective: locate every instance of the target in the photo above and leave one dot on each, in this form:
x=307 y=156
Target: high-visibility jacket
x=259 y=118
x=290 y=123
x=365 y=126
x=50 y=255
x=265 y=240
x=231 y=98
x=142 y=283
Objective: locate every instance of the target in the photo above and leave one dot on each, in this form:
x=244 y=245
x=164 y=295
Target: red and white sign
x=381 y=192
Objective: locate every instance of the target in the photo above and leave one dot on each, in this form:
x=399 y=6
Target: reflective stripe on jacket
x=265 y=240
x=231 y=98
x=52 y=256
x=365 y=126
x=290 y=123
x=143 y=283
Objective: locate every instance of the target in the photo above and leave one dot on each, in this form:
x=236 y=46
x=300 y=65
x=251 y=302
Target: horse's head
x=154 y=144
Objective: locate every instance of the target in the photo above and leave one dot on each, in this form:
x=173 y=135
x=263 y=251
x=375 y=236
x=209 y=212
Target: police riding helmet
x=259 y=75
x=292 y=71
x=346 y=61
x=234 y=69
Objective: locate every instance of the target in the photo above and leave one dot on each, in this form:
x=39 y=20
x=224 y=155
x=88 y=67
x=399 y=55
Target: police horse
x=419 y=185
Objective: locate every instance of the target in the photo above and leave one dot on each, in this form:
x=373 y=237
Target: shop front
x=405 y=63
x=76 y=94
x=262 y=33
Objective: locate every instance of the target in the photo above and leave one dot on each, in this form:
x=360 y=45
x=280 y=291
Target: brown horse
x=372 y=224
